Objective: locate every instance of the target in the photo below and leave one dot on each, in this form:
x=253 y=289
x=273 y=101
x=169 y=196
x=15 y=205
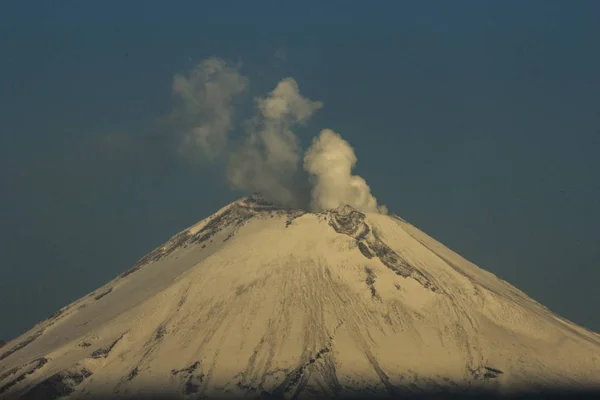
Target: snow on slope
x=256 y=299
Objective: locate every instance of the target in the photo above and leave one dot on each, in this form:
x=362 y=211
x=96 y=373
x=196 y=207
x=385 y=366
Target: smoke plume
x=330 y=160
x=206 y=105
x=268 y=161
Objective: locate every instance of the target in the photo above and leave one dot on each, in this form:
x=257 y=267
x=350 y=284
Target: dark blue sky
x=477 y=121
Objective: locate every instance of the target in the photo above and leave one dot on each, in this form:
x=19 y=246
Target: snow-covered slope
x=259 y=300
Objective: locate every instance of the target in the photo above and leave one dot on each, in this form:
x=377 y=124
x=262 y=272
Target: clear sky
x=477 y=121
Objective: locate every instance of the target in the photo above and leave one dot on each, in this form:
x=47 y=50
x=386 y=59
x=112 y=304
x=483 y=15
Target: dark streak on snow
x=101 y=295
x=182 y=301
x=492 y=372
x=485 y=372
x=58 y=385
x=134 y=372
x=365 y=250
x=37 y=364
x=160 y=332
x=348 y=221
x=22 y=344
x=160 y=252
x=8 y=373
x=296 y=380
x=213 y=227
x=391 y=389
x=192 y=381
x=237 y=215
x=190 y=387
x=250 y=388
x=103 y=352
x=371 y=281
x=247 y=388
x=187 y=370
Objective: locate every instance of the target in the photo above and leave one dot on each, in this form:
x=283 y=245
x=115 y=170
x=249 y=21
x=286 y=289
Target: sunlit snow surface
x=256 y=300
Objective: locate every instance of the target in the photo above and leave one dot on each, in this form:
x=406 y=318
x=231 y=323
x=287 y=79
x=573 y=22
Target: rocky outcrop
x=190 y=379
x=348 y=221
x=103 y=352
x=21 y=373
x=58 y=385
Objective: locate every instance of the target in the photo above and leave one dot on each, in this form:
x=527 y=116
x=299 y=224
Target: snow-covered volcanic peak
x=262 y=300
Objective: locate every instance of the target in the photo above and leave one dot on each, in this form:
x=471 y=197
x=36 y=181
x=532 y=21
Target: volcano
x=260 y=301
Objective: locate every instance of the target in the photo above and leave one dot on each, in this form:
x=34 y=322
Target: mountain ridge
x=258 y=299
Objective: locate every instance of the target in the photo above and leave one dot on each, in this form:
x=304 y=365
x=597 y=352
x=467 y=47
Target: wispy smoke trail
x=330 y=160
x=206 y=105
x=268 y=161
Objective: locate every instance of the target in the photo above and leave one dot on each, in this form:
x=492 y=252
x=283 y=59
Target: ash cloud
x=206 y=105
x=270 y=159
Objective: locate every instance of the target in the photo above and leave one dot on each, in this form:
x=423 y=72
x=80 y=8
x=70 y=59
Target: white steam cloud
x=206 y=97
x=330 y=161
x=268 y=161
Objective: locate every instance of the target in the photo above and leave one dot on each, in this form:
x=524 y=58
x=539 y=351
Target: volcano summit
x=260 y=301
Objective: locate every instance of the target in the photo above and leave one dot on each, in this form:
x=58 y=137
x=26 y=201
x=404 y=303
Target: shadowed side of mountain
x=457 y=393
